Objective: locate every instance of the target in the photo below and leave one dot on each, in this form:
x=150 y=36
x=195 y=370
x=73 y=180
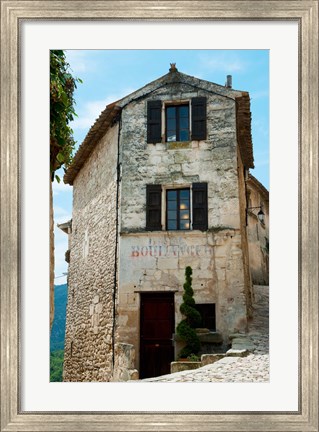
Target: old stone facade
x=159 y=184
x=258 y=231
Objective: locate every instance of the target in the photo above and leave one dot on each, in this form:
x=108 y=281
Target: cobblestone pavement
x=253 y=368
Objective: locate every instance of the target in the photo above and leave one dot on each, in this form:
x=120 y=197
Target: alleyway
x=253 y=368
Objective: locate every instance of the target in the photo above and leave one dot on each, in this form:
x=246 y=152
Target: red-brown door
x=157 y=328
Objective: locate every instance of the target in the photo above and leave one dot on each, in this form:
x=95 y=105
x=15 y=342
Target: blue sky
x=109 y=75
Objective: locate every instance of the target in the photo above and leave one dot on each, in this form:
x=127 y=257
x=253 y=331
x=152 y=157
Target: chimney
x=173 y=67
x=229 y=81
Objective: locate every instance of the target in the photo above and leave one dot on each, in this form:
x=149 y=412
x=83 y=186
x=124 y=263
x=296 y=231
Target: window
x=178 y=126
x=184 y=208
x=208 y=316
x=177 y=123
x=178 y=209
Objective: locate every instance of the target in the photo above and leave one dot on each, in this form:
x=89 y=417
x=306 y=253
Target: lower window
x=207 y=311
x=185 y=208
x=178 y=209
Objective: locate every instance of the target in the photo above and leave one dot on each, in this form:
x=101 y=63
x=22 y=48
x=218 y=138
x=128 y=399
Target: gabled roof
x=259 y=186
x=111 y=113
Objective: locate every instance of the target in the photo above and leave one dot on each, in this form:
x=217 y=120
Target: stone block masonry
x=156 y=262
x=88 y=343
x=114 y=274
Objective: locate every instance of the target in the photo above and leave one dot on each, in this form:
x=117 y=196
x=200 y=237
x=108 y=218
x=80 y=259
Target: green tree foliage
x=58 y=327
x=56 y=366
x=62 y=85
x=185 y=328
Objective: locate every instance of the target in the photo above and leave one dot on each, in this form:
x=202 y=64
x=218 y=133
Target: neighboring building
x=158 y=184
x=66 y=227
x=258 y=231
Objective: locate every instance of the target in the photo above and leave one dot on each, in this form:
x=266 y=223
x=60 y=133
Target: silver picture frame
x=303 y=12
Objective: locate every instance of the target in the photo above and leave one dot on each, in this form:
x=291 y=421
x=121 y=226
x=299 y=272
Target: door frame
x=171 y=294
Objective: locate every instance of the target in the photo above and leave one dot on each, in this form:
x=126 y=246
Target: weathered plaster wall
x=156 y=261
x=88 y=355
x=258 y=236
x=213 y=161
x=151 y=261
x=244 y=239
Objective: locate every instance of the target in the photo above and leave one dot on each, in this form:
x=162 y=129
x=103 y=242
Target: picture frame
x=306 y=14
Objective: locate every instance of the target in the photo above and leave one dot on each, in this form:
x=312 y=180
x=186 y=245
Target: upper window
x=177 y=124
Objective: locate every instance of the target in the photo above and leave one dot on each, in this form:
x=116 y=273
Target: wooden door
x=157 y=328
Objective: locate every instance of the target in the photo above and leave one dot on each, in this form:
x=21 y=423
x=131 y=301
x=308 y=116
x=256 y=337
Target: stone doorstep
x=211 y=358
x=242 y=346
x=205 y=336
x=237 y=335
x=180 y=366
x=237 y=353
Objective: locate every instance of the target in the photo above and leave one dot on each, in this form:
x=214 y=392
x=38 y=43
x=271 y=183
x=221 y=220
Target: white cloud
x=223 y=63
x=259 y=94
x=79 y=61
x=61 y=187
x=61 y=215
x=260 y=128
x=90 y=110
x=89 y=113
x=60 y=247
x=261 y=162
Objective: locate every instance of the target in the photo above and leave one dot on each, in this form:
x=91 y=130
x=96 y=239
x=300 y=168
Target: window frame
x=157 y=119
x=200 y=308
x=177 y=105
x=162 y=189
x=178 y=220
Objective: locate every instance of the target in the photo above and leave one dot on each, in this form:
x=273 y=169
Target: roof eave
x=107 y=118
x=244 y=137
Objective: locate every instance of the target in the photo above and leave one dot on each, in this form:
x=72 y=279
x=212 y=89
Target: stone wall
x=124 y=366
x=244 y=239
x=258 y=235
x=88 y=342
x=213 y=161
x=156 y=261
x=151 y=261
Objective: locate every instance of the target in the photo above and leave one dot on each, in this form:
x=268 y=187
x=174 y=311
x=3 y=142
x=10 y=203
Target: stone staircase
x=255 y=341
x=258 y=326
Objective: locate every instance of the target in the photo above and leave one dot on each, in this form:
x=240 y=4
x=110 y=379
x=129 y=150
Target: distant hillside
x=58 y=327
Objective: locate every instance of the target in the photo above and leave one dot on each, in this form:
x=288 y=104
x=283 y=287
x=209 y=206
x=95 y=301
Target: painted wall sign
x=159 y=248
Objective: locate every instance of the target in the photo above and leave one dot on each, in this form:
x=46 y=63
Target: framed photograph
x=289 y=31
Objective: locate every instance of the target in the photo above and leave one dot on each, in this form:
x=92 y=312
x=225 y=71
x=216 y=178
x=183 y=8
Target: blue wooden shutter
x=199 y=118
x=200 y=208
x=154 y=121
x=153 y=207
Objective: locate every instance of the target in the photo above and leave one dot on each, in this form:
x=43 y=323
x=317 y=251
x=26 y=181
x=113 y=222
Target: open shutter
x=199 y=118
x=200 y=208
x=154 y=121
x=153 y=207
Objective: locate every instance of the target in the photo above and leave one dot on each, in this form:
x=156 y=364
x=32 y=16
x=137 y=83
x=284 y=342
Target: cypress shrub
x=185 y=328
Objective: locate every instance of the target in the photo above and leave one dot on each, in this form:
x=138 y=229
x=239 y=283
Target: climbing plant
x=186 y=328
x=62 y=86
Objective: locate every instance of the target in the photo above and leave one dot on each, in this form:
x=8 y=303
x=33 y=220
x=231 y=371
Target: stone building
x=159 y=183
x=258 y=230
